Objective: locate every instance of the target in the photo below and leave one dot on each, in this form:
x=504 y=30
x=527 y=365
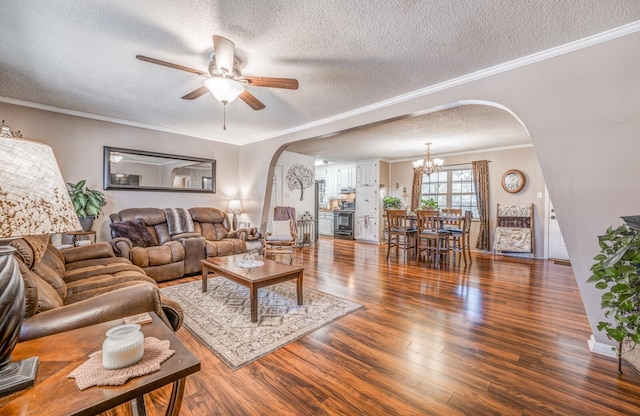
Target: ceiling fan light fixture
x=224 y=89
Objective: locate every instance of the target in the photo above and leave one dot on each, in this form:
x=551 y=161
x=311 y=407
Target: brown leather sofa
x=149 y=244
x=83 y=286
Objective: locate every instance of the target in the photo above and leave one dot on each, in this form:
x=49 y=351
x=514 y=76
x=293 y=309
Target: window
x=452 y=188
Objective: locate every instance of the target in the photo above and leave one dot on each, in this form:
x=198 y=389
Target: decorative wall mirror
x=151 y=171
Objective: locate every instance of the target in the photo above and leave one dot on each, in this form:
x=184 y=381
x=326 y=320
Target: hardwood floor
x=501 y=337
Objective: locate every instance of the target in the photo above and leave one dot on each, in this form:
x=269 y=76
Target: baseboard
x=600 y=348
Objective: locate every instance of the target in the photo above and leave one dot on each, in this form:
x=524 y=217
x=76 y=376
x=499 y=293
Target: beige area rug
x=221 y=318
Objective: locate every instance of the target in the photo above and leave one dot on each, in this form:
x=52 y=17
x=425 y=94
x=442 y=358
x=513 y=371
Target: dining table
x=452 y=220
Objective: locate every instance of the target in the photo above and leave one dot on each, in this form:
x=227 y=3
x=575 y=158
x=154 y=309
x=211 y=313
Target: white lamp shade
x=33 y=195
x=224 y=89
x=235 y=207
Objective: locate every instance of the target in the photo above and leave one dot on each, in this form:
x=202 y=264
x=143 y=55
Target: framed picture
x=206 y=182
x=244 y=225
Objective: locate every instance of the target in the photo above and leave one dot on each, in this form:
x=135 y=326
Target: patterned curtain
x=416 y=189
x=480 y=170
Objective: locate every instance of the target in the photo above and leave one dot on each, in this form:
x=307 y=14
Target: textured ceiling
x=79 y=56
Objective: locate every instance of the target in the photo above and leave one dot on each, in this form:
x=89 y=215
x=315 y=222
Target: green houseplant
x=428 y=203
x=87 y=202
x=392 y=202
x=616 y=271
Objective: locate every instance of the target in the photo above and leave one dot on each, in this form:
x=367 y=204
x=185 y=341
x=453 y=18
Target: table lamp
x=33 y=200
x=235 y=208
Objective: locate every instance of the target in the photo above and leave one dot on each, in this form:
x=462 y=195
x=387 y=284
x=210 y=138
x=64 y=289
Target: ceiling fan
x=224 y=80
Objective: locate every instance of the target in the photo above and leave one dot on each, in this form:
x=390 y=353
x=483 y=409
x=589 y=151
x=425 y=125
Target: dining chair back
x=433 y=240
x=401 y=233
x=460 y=243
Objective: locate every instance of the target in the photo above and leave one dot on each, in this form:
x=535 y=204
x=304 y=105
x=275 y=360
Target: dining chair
x=460 y=243
x=401 y=234
x=451 y=211
x=433 y=240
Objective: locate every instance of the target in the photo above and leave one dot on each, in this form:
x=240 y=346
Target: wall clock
x=513 y=181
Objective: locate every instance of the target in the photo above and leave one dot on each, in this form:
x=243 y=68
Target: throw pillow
x=135 y=231
x=280 y=231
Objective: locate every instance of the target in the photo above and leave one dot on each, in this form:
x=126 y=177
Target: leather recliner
x=83 y=286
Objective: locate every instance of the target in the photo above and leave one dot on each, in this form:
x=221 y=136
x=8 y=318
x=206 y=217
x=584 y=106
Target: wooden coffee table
x=254 y=278
x=59 y=354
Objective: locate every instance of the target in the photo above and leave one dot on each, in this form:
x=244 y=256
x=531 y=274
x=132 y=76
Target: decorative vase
x=87 y=222
x=14 y=375
x=123 y=347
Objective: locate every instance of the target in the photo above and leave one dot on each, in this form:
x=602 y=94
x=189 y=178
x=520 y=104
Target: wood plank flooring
x=503 y=336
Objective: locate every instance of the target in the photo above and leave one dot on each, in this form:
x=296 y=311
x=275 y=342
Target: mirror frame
x=107 y=171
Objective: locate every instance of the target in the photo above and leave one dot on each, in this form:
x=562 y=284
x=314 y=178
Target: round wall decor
x=513 y=181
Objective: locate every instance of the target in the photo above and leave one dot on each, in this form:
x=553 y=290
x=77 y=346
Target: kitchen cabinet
x=333 y=188
x=325 y=223
x=367 y=199
x=367 y=227
x=367 y=173
x=321 y=173
x=337 y=177
x=347 y=176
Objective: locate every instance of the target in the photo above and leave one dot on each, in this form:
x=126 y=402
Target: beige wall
x=78 y=145
x=291 y=198
x=524 y=159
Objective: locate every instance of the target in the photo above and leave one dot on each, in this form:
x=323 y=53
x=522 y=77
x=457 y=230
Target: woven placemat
x=92 y=373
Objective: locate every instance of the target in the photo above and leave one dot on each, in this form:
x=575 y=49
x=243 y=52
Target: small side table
x=56 y=394
x=77 y=236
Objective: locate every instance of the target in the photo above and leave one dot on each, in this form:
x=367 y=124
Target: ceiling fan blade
x=251 y=100
x=170 y=65
x=288 y=83
x=224 y=52
x=196 y=93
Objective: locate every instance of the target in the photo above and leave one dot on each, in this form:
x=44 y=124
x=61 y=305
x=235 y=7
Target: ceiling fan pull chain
x=224 y=115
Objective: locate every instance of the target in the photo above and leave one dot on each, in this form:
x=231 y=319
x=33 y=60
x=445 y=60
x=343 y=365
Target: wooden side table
x=54 y=394
x=77 y=236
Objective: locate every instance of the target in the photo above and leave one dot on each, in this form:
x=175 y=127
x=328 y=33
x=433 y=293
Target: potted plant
x=87 y=202
x=616 y=271
x=392 y=202
x=428 y=204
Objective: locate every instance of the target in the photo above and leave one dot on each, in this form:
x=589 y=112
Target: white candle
x=123 y=347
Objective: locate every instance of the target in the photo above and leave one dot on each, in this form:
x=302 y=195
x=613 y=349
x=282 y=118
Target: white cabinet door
x=367 y=199
x=343 y=174
x=352 y=176
x=372 y=228
x=325 y=223
x=360 y=171
x=321 y=173
x=367 y=227
x=360 y=231
x=367 y=173
x=333 y=187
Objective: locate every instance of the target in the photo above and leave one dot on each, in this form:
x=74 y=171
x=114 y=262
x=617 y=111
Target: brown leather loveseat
x=83 y=286
x=169 y=243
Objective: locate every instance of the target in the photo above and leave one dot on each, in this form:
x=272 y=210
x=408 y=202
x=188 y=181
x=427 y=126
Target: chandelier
x=428 y=165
